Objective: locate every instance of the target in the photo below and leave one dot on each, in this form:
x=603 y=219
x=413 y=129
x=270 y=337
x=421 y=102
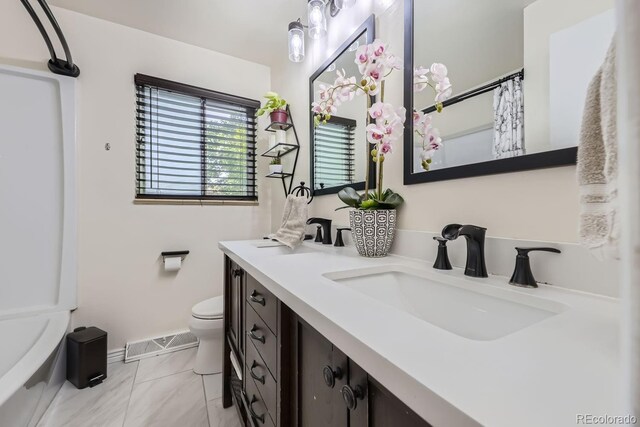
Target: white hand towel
x=598 y=163
x=294 y=220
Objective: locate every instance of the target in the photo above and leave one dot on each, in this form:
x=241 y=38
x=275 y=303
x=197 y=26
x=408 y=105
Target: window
x=193 y=143
x=334 y=153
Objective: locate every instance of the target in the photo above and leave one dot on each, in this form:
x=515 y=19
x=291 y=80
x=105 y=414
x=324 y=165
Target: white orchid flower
x=444 y=90
x=420 y=79
x=378 y=48
x=374 y=133
x=363 y=58
x=438 y=72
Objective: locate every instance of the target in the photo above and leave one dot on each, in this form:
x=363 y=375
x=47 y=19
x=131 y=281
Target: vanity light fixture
x=317 y=20
x=296 y=41
x=317 y=27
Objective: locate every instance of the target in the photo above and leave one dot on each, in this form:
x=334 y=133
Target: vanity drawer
x=256 y=369
x=256 y=408
x=263 y=339
x=263 y=302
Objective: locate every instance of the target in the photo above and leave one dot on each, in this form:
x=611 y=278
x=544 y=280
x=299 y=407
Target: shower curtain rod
x=477 y=91
x=56 y=65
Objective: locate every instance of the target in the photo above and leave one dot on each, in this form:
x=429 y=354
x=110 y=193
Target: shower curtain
x=508 y=107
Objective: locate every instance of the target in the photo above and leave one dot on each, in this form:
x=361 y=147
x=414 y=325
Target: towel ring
x=303 y=191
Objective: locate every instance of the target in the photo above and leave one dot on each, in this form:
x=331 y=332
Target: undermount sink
x=471 y=310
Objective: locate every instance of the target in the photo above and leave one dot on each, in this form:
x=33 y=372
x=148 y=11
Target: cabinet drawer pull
x=254 y=376
x=253 y=336
x=330 y=375
x=257 y=298
x=351 y=396
x=237 y=272
x=255 y=416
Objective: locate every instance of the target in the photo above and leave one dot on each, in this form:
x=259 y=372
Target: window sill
x=194 y=202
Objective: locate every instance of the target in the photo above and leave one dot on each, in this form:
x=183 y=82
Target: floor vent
x=152 y=347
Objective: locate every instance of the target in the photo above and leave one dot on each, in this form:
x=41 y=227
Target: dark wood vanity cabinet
x=332 y=390
x=290 y=374
x=234 y=290
x=256 y=337
x=317 y=362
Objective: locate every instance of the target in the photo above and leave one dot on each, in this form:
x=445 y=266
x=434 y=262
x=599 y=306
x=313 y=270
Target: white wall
x=535 y=205
x=121 y=286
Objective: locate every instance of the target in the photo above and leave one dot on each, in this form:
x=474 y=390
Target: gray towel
x=598 y=163
x=294 y=220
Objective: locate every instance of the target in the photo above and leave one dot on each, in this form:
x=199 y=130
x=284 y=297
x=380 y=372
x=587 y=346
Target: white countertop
x=541 y=376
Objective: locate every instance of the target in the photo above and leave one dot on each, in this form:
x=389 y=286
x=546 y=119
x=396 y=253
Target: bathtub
x=38 y=245
x=32 y=366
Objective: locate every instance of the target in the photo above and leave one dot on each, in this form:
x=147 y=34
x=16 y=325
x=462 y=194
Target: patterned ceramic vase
x=373 y=231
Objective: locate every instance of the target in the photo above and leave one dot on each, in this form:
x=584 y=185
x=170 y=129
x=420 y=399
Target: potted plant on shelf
x=276 y=165
x=373 y=214
x=276 y=107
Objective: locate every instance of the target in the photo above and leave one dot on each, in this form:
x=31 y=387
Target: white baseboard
x=115 y=356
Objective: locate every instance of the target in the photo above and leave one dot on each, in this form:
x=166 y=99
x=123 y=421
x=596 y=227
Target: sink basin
x=471 y=310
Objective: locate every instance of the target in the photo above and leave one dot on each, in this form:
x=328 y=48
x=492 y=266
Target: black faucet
x=476 y=266
x=339 y=240
x=326 y=229
x=442 y=260
x=522 y=275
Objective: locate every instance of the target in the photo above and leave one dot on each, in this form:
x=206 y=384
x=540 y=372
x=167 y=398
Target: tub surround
x=543 y=374
x=32 y=368
x=36 y=303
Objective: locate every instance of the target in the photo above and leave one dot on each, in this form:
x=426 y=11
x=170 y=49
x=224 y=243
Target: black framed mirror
x=499 y=117
x=337 y=155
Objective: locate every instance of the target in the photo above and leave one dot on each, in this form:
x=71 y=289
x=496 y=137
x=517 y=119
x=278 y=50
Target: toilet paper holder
x=173 y=254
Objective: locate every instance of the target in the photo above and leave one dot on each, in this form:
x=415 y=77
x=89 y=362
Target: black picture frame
x=541 y=160
x=368 y=27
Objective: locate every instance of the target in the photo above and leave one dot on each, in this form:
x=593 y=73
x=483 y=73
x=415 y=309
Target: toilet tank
x=37 y=192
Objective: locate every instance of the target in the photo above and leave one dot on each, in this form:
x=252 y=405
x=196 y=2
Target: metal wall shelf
x=279 y=175
x=282 y=149
x=279 y=150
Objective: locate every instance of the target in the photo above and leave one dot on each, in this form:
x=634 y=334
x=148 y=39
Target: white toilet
x=207 y=323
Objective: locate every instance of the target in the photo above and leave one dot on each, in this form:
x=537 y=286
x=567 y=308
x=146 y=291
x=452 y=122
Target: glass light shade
x=296 y=42
x=344 y=4
x=317 y=20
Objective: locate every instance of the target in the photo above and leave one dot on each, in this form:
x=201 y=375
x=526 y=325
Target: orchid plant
x=385 y=123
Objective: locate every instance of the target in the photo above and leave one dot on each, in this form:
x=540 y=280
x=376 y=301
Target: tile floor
x=160 y=391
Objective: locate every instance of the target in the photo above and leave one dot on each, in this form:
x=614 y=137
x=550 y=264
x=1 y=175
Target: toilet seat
x=209 y=309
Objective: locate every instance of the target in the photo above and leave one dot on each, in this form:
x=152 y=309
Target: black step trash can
x=86 y=356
